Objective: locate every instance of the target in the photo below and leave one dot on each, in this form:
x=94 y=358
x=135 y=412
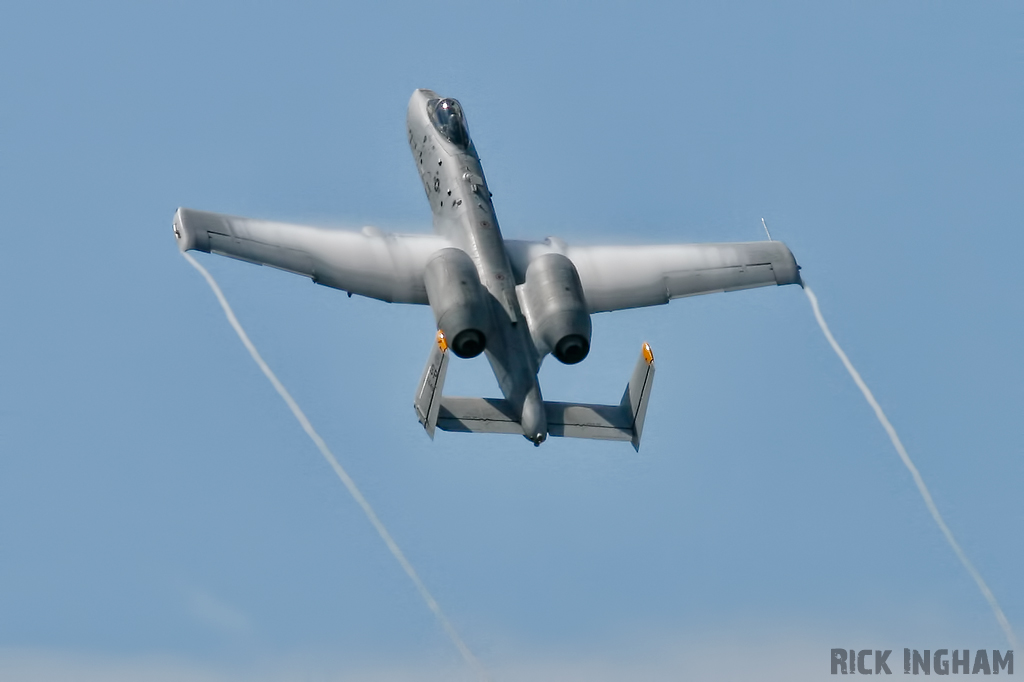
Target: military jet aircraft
x=517 y=301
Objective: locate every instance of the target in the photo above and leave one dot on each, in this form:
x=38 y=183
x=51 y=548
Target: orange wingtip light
x=442 y=342
x=648 y=353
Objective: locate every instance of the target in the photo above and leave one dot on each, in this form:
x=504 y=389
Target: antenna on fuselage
x=766 y=230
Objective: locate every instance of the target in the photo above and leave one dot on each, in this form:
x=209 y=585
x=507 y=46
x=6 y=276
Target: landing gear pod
x=558 y=311
x=458 y=300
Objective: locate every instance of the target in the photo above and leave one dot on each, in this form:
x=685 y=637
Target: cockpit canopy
x=447 y=117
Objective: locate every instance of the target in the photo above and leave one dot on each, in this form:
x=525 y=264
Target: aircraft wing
x=619 y=277
x=370 y=263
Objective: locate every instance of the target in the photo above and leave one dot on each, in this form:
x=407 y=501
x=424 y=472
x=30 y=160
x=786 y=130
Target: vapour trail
x=343 y=475
x=921 y=487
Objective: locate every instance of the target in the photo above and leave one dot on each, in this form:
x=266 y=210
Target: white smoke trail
x=343 y=475
x=921 y=487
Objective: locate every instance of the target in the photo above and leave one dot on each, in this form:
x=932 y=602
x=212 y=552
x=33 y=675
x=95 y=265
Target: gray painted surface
x=506 y=298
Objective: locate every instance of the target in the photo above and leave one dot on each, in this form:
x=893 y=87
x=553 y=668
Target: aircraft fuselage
x=464 y=214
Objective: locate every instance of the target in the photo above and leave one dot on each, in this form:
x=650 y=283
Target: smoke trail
x=343 y=475
x=921 y=487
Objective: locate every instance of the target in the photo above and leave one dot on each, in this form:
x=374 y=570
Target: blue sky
x=162 y=516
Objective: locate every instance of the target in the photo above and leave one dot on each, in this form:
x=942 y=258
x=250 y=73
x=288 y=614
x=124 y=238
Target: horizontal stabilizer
x=569 y=420
x=623 y=422
x=602 y=422
x=478 y=415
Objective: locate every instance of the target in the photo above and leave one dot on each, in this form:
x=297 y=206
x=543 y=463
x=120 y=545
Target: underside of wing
x=370 y=263
x=618 y=277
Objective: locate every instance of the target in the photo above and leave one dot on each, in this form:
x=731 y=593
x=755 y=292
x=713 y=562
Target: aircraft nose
x=534 y=420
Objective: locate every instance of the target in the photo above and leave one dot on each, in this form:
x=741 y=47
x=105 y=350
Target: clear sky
x=162 y=515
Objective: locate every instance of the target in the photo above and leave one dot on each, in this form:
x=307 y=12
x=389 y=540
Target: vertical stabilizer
x=428 y=395
x=638 y=393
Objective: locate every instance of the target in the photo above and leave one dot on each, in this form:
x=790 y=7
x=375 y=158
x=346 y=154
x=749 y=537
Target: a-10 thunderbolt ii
x=517 y=301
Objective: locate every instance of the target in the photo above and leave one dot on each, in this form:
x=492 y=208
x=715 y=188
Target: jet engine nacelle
x=558 y=311
x=458 y=300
